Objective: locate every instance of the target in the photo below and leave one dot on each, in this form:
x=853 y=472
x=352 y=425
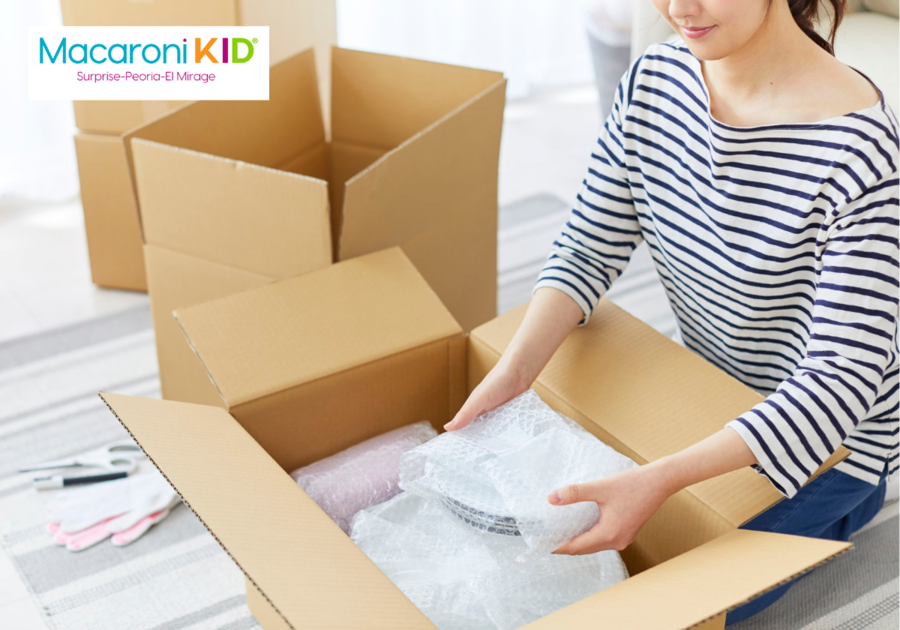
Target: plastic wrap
x=468 y=579
x=495 y=474
x=361 y=476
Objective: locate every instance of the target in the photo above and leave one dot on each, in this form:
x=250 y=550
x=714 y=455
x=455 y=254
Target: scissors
x=119 y=457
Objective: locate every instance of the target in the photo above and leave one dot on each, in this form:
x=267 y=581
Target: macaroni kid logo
x=149 y=63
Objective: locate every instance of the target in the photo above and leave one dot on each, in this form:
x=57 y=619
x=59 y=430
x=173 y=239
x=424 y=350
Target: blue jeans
x=832 y=506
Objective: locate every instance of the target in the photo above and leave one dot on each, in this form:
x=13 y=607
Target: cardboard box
x=252 y=186
x=110 y=213
x=311 y=365
x=293 y=26
x=111 y=221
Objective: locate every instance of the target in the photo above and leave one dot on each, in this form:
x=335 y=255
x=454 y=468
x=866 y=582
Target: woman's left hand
x=626 y=500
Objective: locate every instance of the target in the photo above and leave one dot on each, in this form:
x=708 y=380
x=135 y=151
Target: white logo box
x=184 y=63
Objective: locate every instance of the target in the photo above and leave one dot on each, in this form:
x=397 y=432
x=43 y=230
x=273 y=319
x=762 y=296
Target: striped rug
x=177 y=578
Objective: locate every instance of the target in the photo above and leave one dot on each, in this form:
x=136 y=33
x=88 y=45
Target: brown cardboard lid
x=305 y=566
x=647 y=397
x=697 y=585
x=298 y=330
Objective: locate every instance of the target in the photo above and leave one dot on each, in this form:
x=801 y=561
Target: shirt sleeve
x=602 y=229
x=852 y=340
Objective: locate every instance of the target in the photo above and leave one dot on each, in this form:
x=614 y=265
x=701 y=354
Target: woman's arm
x=551 y=316
x=592 y=250
x=628 y=499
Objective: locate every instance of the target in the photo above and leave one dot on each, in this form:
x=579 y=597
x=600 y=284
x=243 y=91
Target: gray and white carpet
x=177 y=577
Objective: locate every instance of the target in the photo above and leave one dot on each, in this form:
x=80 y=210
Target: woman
x=762 y=173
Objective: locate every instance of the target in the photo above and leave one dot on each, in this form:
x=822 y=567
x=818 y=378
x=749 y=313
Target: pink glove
x=123 y=509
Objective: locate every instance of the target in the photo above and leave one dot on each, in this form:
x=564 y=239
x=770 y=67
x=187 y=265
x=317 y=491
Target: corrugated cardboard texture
x=265 y=615
x=298 y=330
x=262 y=221
x=697 y=585
x=716 y=623
x=176 y=280
x=293 y=26
x=303 y=424
x=110 y=214
x=312 y=572
x=636 y=377
x=444 y=214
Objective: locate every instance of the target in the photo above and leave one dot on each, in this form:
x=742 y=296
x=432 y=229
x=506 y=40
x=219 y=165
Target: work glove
x=123 y=509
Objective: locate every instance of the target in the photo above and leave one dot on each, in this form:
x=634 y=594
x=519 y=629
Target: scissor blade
x=63 y=463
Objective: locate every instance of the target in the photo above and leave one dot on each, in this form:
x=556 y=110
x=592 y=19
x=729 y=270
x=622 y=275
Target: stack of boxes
x=322 y=269
x=110 y=215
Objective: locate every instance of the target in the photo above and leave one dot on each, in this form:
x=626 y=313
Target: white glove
x=124 y=509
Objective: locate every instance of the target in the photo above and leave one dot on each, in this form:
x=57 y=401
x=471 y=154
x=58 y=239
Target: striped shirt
x=778 y=249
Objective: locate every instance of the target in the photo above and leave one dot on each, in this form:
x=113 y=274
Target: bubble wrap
x=363 y=475
x=468 y=579
x=495 y=474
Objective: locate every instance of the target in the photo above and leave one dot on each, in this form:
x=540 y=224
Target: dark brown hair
x=806 y=14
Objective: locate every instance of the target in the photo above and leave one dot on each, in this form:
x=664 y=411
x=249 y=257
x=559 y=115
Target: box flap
x=621 y=376
x=266 y=222
x=380 y=100
x=452 y=236
x=697 y=585
x=294 y=331
x=175 y=280
x=266 y=133
x=305 y=566
x=294 y=26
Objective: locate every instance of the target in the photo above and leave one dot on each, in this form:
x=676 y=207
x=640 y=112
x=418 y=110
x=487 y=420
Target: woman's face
x=713 y=29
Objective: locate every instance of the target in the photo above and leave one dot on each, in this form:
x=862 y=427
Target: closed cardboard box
x=311 y=365
x=293 y=26
x=257 y=189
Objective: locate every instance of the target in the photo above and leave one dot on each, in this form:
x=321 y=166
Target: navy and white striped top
x=777 y=246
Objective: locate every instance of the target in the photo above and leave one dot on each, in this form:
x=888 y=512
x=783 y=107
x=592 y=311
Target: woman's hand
x=628 y=499
x=550 y=318
x=502 y=384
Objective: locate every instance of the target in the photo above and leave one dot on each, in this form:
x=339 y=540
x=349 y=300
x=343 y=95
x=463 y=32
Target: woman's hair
x=806 y=14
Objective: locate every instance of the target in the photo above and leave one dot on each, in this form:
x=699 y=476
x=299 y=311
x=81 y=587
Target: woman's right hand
x=502 y=384
x=550 y=318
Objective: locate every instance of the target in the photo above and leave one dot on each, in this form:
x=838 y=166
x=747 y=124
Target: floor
x=45 y=275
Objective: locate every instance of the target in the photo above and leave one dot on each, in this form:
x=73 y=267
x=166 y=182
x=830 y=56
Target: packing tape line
x=200 y=518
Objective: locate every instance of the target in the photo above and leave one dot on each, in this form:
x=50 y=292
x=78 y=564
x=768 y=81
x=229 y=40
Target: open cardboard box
x=311 y=365
x=293 y=26
x=237 y=194
x=110 y=212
